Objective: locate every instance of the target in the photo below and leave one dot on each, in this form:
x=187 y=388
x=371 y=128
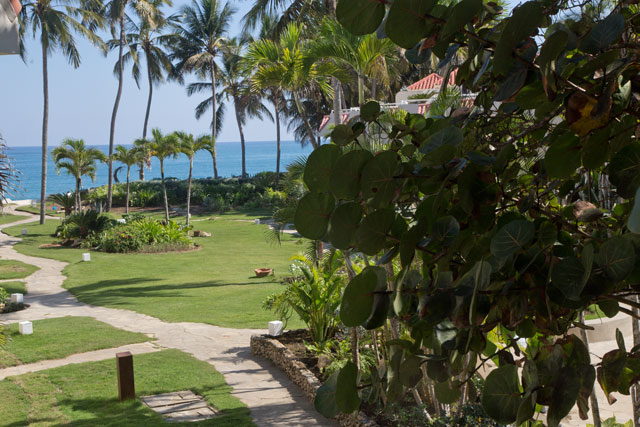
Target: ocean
x=260 y=156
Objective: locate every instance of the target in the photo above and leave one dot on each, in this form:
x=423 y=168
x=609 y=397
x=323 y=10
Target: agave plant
x=66 y=200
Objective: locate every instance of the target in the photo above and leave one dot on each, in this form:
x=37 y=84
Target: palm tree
x=232 y=76
x=66 y=200
x=148 y=11
x=203 y=36
x=142 y=144
x=56 y=20
x=162 y=147
x=129 y=157
x=288 y=65
x=365 y=55
x=190 y=146
x=77 y=160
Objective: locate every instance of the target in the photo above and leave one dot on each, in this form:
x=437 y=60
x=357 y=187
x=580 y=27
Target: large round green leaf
x=567 y=277
x=522 y=24
x=617 y=257
x=360 y=16
x=501 y=398
x=378 y=178
x=563 y=156
x=325 y=401
x=565 y=393
x=344 y=181
x=446 y=230
x=358 y=297
x=634 y=217
x=406 y=23
x=624 y=170
x=451 y=135
x=447 y=393
x=319 y=166
x=512 y=238
x=371 y=236
x=312 y=215
x=603 y=34
x=410 y=370
x=347 y=389
x=343 y=225
x=462 y=13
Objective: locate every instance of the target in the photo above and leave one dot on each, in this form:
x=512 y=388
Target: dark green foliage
x=83 y=224
x=143 y=235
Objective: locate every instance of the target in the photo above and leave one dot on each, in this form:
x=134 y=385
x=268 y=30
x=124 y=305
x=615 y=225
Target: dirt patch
x=294 y=341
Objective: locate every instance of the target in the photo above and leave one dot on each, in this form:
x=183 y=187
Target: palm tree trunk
x=164 y=191
x=141 y=171
x=214 y=122
x=337 y=113
x=45 y=126
x=374 y=88
x=276 y=104
x=189 y=188
x=115 y=109
x=78 y=194
x=126 y=209
x=146 y=116
x=305 y=119
x=242 y=145
x=360 y=89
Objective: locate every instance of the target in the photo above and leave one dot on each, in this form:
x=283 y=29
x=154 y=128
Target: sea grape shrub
x=509 y=216
x=144 y=235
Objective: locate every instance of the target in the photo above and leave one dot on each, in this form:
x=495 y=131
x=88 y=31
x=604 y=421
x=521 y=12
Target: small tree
x=129 y=157
x=77 y=160
x=163 y=147
x=189 y=147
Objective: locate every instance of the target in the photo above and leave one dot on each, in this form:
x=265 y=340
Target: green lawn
x=61 y=337
x=10 y=269
x=14 y=287
x=6 y=218
x=36 y=210
x=215 y=284
x=86 y=394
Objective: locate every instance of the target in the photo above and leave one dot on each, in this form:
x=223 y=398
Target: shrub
x=144 y=235
x=83 y=224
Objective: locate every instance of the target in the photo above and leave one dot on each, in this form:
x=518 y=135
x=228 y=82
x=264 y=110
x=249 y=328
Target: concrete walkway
x=271 y=397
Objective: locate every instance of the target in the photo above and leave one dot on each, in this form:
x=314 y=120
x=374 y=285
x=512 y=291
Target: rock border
x=283 y=358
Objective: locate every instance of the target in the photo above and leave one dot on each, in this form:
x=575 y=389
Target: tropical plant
x=83 y=224
x=8 y=175
x=287 y=11
x=145 y=155
x=189 y=146
x=143 y=235
x=367 y=55
x=129 y=157
x=203 y=32
x=150 y=14
x=163 y=147
x=56 y=21
x=286 y=64
x=313 y=294
x=66 y=200
x=77 y=160
x=483 y=221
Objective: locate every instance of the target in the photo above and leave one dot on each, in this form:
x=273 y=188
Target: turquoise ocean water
x=261 y=156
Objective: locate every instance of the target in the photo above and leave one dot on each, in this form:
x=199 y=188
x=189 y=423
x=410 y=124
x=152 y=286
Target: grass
x=15 y=287
x=61 y=337
x=6 y=218
x=85 y=395
x=10 y=269
x=36 y=209
x=214 y=285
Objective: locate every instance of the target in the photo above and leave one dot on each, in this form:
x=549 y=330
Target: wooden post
x=126 y=387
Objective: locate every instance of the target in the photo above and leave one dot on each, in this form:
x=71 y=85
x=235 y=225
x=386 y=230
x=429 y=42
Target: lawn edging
x=286 y=361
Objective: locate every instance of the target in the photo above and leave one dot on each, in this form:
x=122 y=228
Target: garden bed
x=289 y=354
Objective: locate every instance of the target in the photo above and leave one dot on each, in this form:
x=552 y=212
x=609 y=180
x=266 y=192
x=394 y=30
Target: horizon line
x=102 y=145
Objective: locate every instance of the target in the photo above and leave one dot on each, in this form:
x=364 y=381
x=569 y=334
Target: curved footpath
x=269 y=394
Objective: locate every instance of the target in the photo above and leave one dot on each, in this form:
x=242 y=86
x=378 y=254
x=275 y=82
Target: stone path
x=269 y=394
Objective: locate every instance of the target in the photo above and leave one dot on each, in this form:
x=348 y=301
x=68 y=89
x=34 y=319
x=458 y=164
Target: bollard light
x=24 y=231
x=17 y=298
x=25 y=328
x=86 y=257
x=256 y=221
x=275 y=328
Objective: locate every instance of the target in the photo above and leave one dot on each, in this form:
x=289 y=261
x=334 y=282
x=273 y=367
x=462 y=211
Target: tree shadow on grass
x=110 y=412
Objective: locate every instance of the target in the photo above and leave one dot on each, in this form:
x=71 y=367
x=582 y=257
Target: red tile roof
x=432 y=81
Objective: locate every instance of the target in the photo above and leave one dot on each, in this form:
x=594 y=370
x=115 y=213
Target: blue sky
x=81 y=100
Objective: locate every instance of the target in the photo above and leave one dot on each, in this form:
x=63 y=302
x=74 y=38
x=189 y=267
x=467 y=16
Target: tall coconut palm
x=189 y=146
x=56 y=21
x=233 y=78
x=78 y=160
x=129 y=157
x=288 y=65
x=163 y=147
x=365 y=55
x=205 y=25
x=142 y=144
x=148 y=11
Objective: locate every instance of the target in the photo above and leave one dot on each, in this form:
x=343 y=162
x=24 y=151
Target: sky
x=81 y=100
